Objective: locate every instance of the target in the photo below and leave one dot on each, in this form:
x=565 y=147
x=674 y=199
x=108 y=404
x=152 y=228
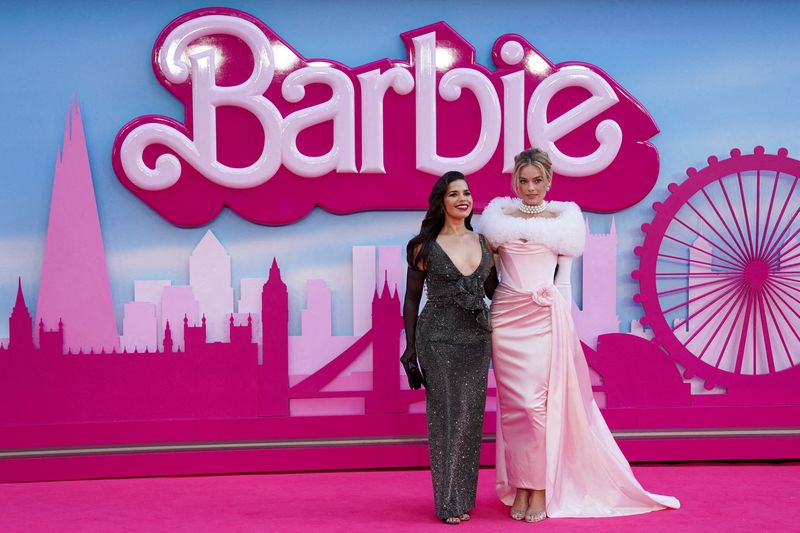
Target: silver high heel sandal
x=516 y=514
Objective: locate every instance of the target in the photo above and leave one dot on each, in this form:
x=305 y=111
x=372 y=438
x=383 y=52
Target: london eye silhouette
x=719 y=269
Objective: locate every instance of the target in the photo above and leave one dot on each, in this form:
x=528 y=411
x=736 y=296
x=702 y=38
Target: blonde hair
x=531 y=157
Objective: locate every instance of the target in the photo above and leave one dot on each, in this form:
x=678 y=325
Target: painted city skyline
x=209 y=356
x=74 y=251
x=75 y=272
x=188 y=332
x=212 y=296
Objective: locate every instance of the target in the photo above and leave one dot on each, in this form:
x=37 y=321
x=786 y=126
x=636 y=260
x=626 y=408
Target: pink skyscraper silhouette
x=363 y=287
x=210 y=279
x=598 y=314
x=139 y=327
x=391 y=267
x=75 y=286
x=368 y=276
x=178 y=303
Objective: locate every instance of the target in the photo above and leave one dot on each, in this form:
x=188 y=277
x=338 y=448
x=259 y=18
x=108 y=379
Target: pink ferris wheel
x=719 y=271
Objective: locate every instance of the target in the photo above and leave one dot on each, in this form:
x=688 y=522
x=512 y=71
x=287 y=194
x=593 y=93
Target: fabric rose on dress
x=469 y=295
x=543 y=295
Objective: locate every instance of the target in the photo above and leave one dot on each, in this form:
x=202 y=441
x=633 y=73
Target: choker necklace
x=533 y=209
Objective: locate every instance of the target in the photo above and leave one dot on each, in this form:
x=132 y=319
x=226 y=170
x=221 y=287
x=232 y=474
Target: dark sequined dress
x=453 y=340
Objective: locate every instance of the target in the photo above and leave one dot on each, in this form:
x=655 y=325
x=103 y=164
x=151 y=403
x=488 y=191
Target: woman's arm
x=563 y=277
x=415 y=281
x=491 y=282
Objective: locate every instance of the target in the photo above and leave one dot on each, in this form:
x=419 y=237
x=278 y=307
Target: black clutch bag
x=415 y=378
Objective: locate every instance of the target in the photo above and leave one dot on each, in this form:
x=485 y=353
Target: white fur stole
x=565 y=233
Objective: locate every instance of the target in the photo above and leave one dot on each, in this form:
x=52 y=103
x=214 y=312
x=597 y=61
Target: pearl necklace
x=533 y=209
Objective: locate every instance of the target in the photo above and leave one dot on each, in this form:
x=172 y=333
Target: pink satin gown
x=550 y=433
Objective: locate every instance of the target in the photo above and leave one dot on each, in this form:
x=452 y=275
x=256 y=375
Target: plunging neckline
x=480 y=264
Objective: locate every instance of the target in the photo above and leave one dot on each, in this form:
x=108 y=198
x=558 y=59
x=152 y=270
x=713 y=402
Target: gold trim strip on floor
x=374 y=441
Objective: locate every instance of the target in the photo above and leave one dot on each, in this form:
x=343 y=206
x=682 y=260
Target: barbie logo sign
x=271 y=134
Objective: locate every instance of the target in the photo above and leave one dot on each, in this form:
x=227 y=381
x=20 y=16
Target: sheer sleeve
x=491 y=282
x=415 y=281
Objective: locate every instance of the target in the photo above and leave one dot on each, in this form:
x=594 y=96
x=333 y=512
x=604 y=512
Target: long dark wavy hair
x=433 y=222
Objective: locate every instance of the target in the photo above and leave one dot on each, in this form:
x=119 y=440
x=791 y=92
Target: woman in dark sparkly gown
x=453 y=340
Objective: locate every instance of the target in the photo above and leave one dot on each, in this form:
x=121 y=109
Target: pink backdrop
x=205 y=384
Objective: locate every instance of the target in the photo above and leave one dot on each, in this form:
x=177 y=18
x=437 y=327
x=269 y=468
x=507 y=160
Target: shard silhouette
x=75 y=286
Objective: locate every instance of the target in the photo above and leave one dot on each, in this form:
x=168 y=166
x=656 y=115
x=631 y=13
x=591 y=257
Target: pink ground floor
x=715 y=497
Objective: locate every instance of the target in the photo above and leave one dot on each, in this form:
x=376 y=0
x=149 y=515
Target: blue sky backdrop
x=714 y=75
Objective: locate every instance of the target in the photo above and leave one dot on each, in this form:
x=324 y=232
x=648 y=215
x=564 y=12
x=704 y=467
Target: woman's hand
x=409 y=355
x=409 y=360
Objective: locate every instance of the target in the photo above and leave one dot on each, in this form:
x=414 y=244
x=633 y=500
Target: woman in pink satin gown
x=555 y=454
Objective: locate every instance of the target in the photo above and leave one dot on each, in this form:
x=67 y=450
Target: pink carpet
x=715 y=497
